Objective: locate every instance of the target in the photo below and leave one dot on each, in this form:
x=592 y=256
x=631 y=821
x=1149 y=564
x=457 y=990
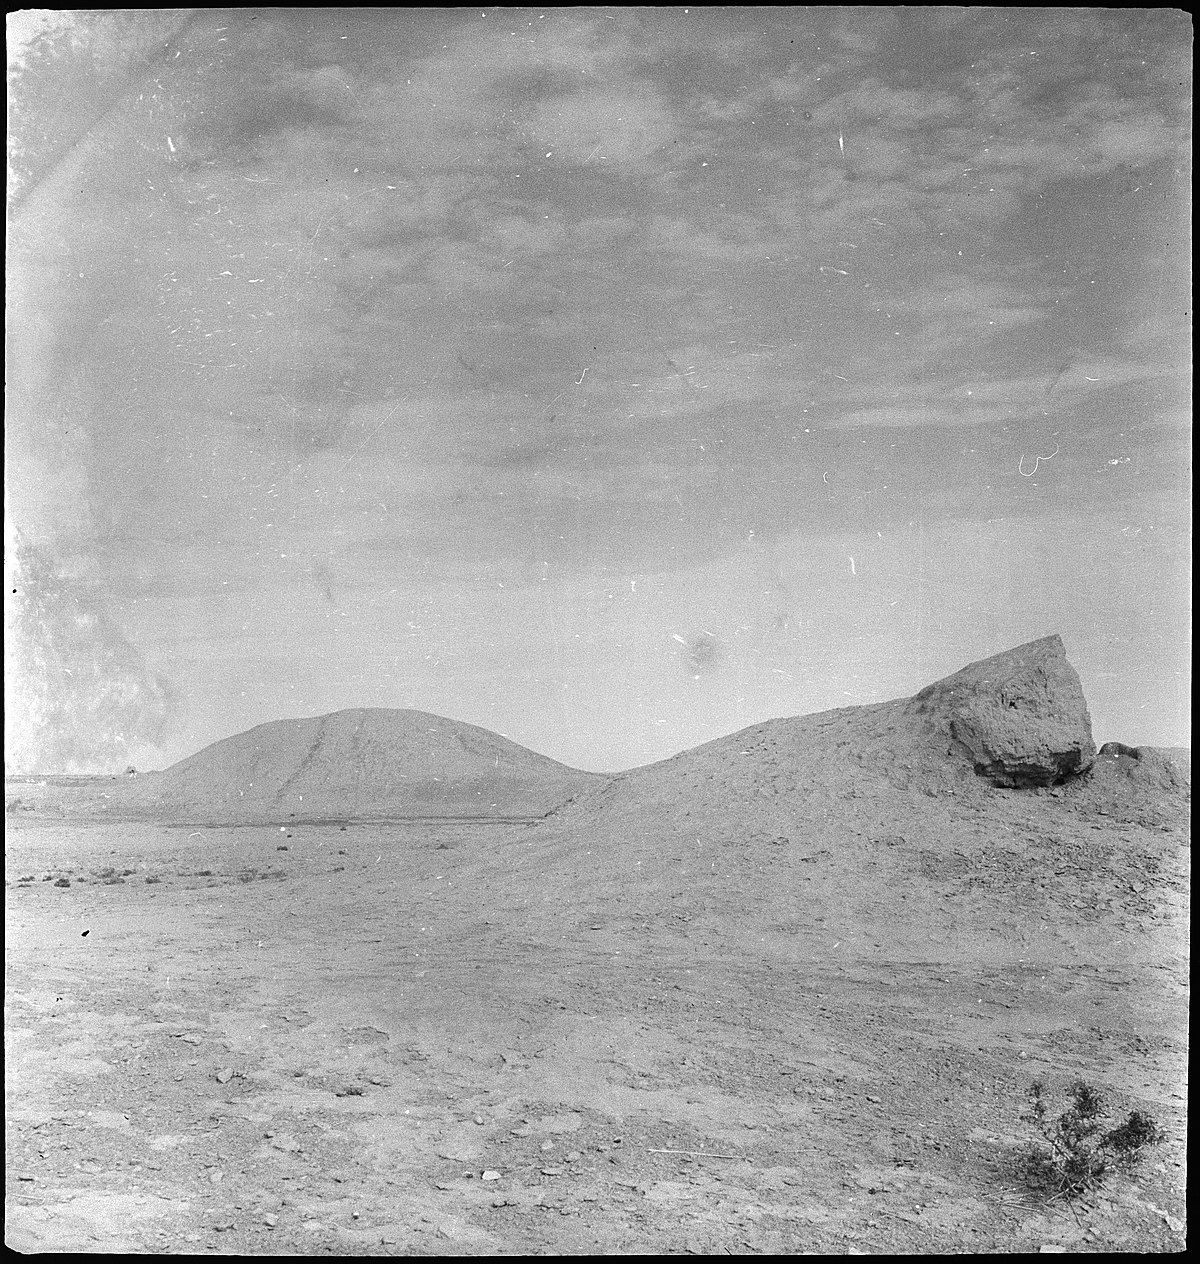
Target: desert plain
x=382 y=983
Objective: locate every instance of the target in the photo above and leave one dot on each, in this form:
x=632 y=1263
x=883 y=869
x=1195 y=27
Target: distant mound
x=367 y=764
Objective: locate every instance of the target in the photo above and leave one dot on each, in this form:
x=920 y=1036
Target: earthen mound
x=1016 y=720
x=1166 y=768
x=1149 y=785
x=366 y=764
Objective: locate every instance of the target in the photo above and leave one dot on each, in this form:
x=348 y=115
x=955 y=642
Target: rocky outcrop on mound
x=1148 y=785
x=1167 y=768
x=364 y=764
x=1020 y=718
x=1014 y=721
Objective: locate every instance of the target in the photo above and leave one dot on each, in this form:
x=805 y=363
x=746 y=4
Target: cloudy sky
x=609 y=378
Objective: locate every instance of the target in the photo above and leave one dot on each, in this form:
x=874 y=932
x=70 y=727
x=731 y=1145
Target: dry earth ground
x=664 y=1036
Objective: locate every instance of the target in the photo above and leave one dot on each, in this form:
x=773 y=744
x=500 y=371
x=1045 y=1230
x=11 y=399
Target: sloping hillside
x=1017 y=720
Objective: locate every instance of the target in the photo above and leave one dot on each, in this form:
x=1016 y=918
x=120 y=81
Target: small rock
x=479 y=1119
x=224 y=1075
x=491 y=1176
x=270 y=1221
x=547 y=1145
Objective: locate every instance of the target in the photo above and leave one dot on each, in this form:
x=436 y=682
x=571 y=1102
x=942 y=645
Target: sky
x=610 y=378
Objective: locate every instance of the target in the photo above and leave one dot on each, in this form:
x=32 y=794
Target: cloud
x=79 y=697
x=619 y=127
x=860 y=30
x=600 y=252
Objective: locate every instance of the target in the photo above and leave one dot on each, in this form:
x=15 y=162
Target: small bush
x=1077 y=1152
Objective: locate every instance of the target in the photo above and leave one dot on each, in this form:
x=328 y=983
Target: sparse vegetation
x=1076 y=1152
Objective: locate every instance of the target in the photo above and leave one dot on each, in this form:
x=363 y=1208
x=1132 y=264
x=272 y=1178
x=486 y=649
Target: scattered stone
x=491 y=1176
x=224 y=1075
x=479 y=1119
x=570 y=1121
x=63 y=882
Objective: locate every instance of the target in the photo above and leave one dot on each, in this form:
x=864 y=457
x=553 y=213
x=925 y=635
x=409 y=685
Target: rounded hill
x=361 y=764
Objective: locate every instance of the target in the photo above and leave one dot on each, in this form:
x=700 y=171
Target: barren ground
x=330 y=1040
